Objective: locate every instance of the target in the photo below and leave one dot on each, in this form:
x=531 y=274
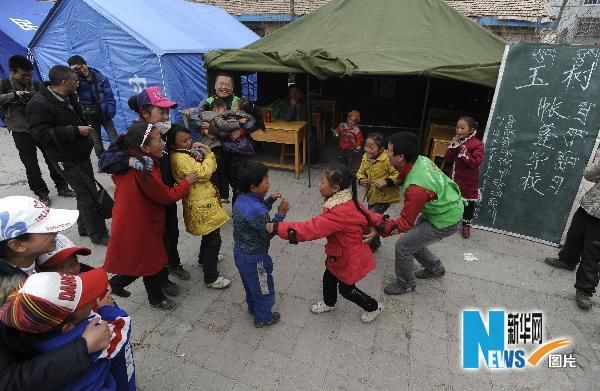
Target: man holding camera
x=97 y=101
x=15 y=92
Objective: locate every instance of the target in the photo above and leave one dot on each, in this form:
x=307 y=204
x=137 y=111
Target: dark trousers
x=27 y=148
x=378 y=208
x=349 y=158
x=96 y=135
x=80 y=176
x=219 y=177
x=209 y=255
x=584 y=230
x=171 y=237
x=469 y=212
x=256 y=272
x=152 y=283
x=350 y=292
x=231 y=161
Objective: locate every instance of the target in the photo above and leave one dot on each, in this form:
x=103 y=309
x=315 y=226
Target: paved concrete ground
x=209 y=342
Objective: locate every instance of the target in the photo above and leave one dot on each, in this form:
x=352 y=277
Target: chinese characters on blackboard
x=559 y=130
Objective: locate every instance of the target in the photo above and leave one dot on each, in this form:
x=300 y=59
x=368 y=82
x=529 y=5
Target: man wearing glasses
x=56 y=121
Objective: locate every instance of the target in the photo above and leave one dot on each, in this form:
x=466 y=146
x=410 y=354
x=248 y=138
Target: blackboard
x=540 y=136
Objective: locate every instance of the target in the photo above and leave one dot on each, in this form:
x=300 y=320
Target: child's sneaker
x=220 y=283
x=320 y=307
x=179 y=272
x=368 y=317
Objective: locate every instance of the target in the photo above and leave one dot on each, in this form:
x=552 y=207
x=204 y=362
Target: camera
x=23 y=99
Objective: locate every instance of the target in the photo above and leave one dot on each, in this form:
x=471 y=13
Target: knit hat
x=64 y=250
x=45 y=300
x=155 y=97
x=25 y=215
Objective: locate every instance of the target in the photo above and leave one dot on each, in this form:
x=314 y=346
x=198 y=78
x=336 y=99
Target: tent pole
x=424 y=114
x=308 y=129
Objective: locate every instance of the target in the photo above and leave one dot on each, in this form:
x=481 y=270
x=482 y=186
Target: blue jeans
x=256 y=271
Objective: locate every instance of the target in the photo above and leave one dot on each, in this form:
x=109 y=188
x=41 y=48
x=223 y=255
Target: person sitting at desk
x=294 y=109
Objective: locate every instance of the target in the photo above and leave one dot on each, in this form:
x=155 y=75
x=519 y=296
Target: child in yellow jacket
x=202 y=210
x=379 y=177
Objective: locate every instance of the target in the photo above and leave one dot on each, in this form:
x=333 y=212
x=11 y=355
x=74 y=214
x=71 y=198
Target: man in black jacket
x=56 y=121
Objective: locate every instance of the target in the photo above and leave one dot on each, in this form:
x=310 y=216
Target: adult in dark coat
x=56 y=121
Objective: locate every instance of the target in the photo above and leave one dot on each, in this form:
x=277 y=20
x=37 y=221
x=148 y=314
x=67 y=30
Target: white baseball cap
x=25 y=215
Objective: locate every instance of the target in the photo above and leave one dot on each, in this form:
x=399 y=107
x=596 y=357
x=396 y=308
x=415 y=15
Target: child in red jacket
x=136 y=247
x=464 y=156
x=343 y=222
x=351 y=140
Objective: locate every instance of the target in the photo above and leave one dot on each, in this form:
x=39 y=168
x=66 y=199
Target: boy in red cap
x=52 y=309
x=64 y=258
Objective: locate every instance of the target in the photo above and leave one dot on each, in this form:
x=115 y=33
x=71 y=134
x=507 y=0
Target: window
x=591 y=2
x=588 y=27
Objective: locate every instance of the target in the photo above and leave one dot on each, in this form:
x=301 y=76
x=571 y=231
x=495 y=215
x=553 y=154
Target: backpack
x=6 y=87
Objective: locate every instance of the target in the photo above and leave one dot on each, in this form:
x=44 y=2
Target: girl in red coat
x=463 y=158
x=136 y=247
x=343 y=222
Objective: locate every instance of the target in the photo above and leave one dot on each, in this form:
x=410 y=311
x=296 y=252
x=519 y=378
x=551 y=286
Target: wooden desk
x=285 y=133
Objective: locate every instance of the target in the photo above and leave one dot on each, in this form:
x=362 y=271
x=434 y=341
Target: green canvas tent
x=374 y=38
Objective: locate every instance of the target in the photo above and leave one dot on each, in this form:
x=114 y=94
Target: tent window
x=249 y=86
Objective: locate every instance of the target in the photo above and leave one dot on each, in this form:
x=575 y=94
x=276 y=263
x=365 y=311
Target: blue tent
x=19 y=20
x=138 y=44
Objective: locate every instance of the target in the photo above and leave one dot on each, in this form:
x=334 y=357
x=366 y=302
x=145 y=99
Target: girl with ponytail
x=343 y=222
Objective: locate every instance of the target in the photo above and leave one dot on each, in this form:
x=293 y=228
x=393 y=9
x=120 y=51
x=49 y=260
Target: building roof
x=265 y=7
x=523 y=10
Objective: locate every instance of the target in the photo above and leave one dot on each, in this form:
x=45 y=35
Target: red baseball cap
x=155 y=97
x=64 y=250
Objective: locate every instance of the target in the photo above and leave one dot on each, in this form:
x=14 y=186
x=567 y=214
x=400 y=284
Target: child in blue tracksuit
x=251 y=240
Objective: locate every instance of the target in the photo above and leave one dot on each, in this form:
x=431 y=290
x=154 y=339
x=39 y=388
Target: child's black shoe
x=275 y=319
x=165 y=304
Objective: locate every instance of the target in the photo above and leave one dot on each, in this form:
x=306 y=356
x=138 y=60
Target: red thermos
x=268 y=117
